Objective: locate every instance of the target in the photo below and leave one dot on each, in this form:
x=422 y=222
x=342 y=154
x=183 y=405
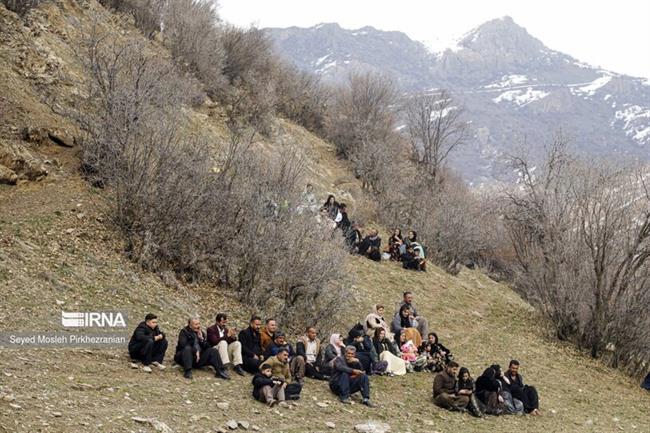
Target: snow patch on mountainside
x=508 y=81
x=635 y=122
x=521 y=97
x=591 y=88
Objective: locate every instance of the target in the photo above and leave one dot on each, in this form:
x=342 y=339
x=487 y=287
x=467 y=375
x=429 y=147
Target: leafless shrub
x=21 y=6
x=581 y=235
x=226 y=217
x=362 y=112
x=435 y=128
x=191 y=30
x=302 y=98
x=250 y=68
x=147 y=14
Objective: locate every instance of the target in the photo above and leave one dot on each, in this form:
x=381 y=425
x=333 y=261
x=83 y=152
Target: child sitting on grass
x=268 y=389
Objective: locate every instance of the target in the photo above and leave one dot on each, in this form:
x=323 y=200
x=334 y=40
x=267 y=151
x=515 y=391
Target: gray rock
x=232 y=424
x=372 y=427
x=223 y=405
x=330 y=424
x=244 y=424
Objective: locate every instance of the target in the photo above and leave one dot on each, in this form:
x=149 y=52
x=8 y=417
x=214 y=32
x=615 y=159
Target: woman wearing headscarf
x=375 y=320
x=405 y=321
x=332 y=350
x=331 y=206
x=488 y=391
x=395 y=242
x=387 y=352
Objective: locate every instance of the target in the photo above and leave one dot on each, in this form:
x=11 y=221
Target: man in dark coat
x=370 y=246
x=527 y=394
x=148 y=343
x=348 y=377
x=251 y=345
x=193 y=351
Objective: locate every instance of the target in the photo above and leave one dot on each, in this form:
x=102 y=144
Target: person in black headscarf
x=488 y=392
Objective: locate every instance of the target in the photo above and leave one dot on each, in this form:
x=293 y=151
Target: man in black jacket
x=251 y=345
x=348 y=377
x=370 y=246
x=148 y=343
x=527 y=394
x=193 y=351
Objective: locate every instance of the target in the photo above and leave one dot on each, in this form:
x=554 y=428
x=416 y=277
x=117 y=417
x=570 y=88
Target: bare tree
x=435 y=127
x=581 y=235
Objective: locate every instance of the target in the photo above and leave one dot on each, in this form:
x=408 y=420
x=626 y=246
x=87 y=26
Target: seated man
x=370 y=246
x=444 y=389
x=297 y=363
x=348 y=377
x=527 y=394
x=194 y=351
x=148 y=343
x=280 y=368
x=422 y=324
x=267 y=333
x=251 y=346
x=363 y=347
x=266 y=388
x=225 y=341
x=308 y=348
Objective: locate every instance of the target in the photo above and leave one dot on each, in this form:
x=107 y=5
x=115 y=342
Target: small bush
x=21 y=7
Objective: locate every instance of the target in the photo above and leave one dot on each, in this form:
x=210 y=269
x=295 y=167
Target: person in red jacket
x=225 y=340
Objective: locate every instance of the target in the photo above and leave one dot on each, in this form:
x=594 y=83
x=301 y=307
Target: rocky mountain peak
x=504 y=38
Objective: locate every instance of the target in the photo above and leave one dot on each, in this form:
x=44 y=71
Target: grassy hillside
x=59 y=251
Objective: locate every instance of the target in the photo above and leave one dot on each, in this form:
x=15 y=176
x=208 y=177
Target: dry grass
x=57 y=245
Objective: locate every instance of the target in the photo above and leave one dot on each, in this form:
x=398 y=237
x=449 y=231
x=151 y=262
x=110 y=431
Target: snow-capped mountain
x=517 y=92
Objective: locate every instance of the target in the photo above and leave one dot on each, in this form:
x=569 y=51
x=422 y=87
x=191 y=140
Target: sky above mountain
x=615 y=36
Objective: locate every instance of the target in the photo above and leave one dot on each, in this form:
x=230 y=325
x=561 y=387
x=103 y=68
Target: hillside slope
x=58 y=252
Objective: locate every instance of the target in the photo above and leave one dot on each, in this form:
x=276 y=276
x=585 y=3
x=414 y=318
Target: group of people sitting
x=375 y=347
x=406 y=250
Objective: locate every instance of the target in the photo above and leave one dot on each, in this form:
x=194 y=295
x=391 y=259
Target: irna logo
x=104 y=319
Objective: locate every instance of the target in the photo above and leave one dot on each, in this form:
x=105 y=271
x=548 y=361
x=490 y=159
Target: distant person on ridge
x=344 y=223
x=251 y=346
x=348 y=377
x=444 y=390
x=353 y=238
x=225 y=340
x=193 y=351
x=148 y=343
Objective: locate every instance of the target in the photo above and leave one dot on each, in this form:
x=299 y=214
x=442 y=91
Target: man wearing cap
x=296 y=363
